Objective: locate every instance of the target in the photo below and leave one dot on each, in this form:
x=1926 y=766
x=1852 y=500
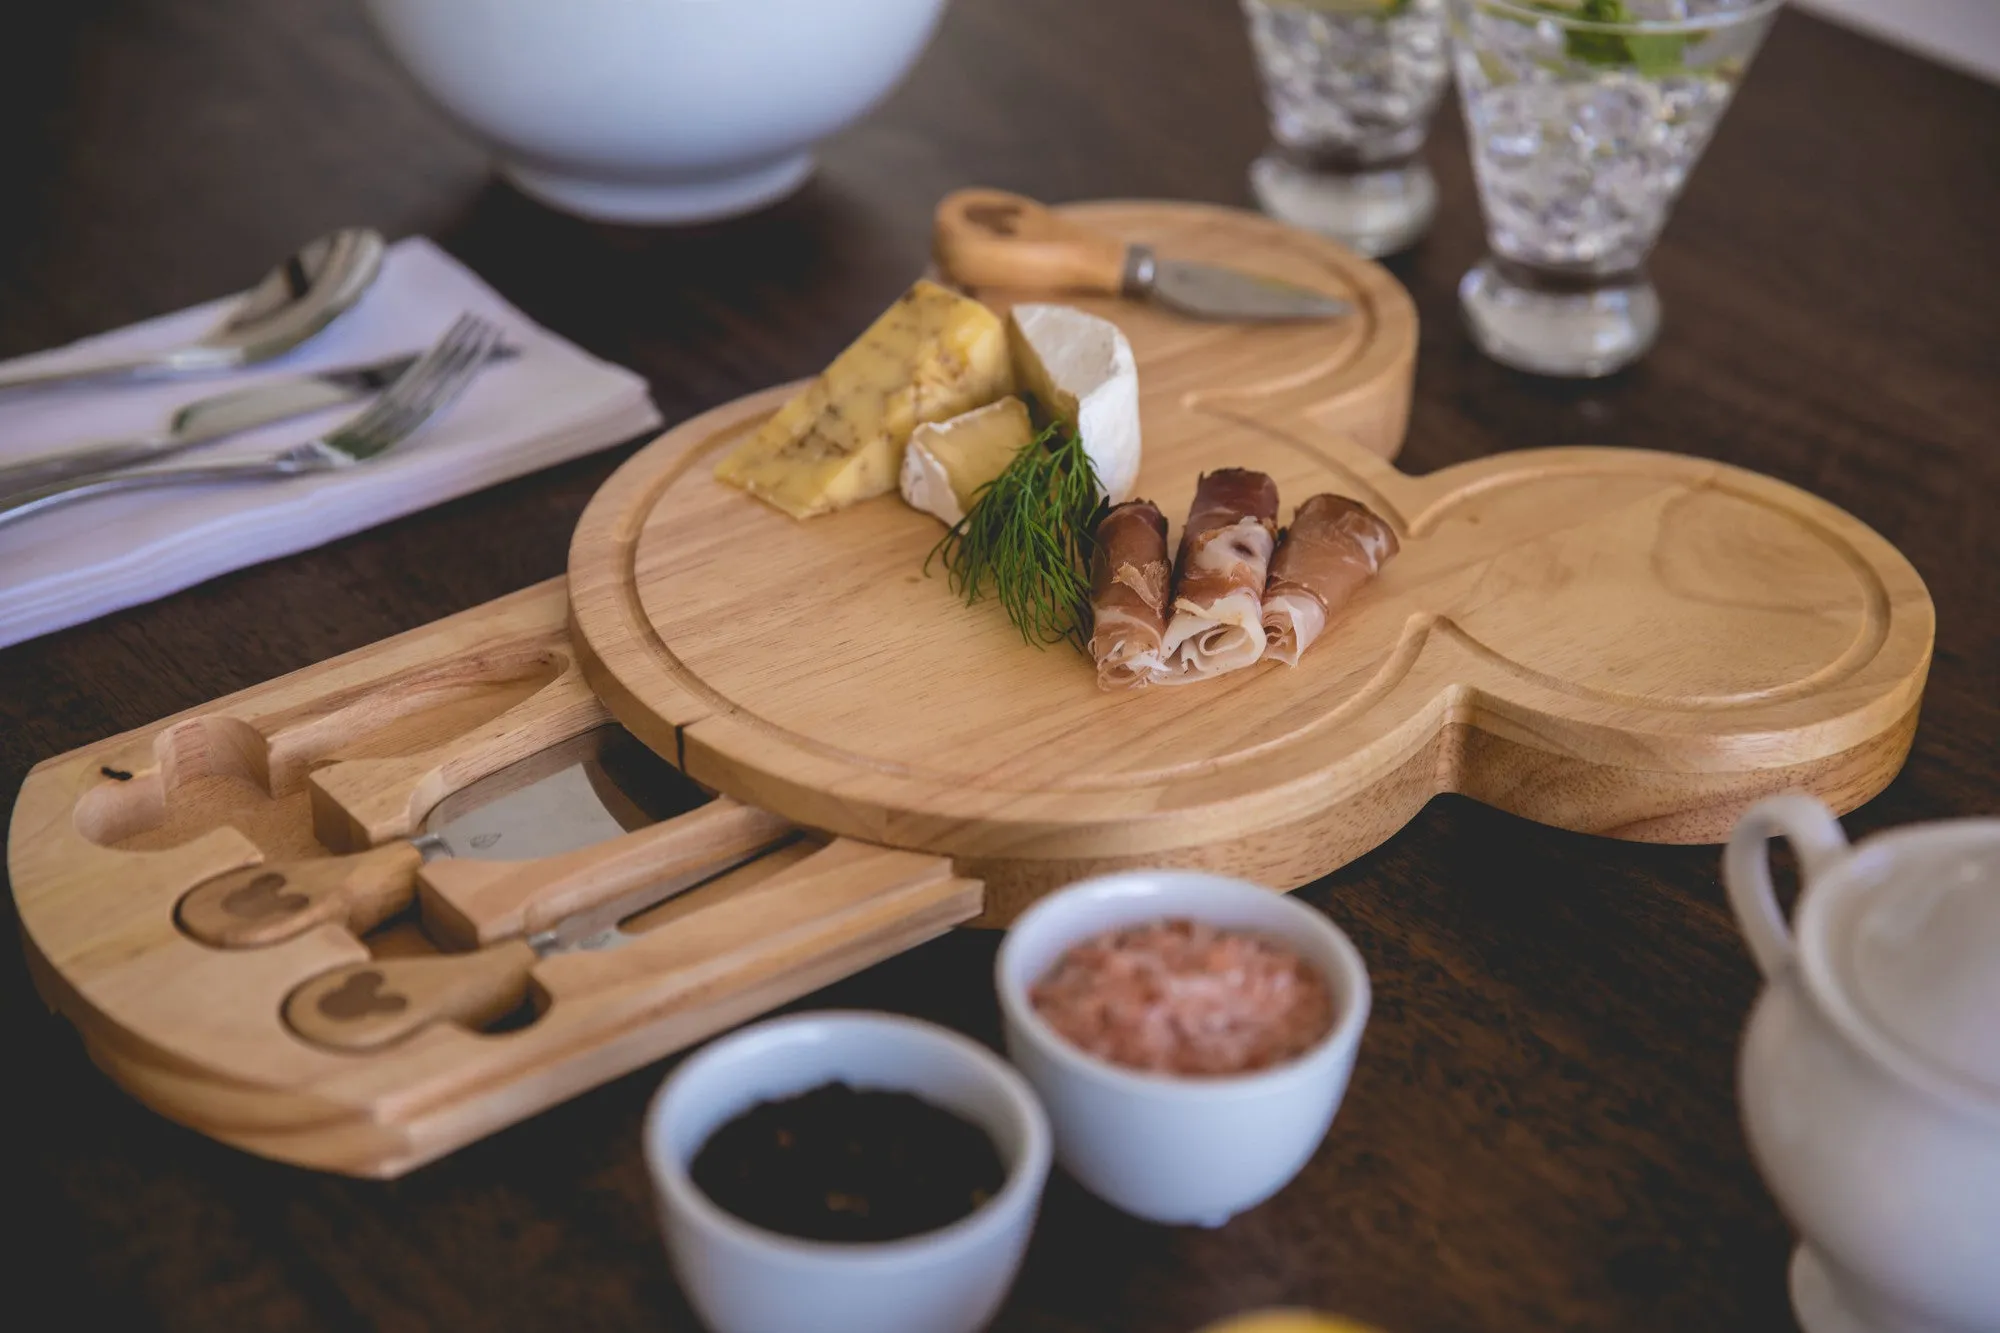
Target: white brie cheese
x=948 y=461
x=925 y=483
x=1080 y=368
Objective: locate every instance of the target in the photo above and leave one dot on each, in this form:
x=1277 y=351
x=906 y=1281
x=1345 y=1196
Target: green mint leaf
x=1657 y=54
x=1652 y=54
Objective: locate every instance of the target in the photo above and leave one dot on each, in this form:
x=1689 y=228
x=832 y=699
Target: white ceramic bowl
x=656 y=110
x=1180 y=1150
x=744 y=1279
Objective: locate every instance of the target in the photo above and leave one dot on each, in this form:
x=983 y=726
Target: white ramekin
x=1169 y=1149
x=744 y=1279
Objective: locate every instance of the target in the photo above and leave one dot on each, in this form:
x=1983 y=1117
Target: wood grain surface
x=1616 y=641
x=371 y=1054
x=1542 y=1129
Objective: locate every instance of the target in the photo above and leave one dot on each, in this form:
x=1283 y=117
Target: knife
x=578 y=826
x=367 y=1005
x=213 y=418
x=989 y=238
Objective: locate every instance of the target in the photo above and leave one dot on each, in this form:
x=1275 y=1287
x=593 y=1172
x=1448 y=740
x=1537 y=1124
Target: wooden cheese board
x=108 y=842
x=1626 y=643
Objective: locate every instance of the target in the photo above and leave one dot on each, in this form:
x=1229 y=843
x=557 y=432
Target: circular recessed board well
x=1622 y=642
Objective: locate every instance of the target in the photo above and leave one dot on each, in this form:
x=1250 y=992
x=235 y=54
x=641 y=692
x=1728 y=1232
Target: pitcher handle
x=1746 y=868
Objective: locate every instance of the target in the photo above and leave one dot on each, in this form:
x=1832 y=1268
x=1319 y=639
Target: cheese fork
x=368 y=1005
x=423 y=391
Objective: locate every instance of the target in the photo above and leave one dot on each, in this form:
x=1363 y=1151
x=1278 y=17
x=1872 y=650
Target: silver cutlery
x=214 y=418
x=424 y=390
x=294 y=301
x=206 y=420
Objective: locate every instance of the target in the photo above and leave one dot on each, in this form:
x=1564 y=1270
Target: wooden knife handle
x=989 y=238
x=471 y=903
x=264 y=904
x=365 y=1006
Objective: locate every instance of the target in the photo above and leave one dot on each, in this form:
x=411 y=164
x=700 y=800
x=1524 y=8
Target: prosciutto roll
x=1333 y=547
x=1218 y=621
x=1129 y=575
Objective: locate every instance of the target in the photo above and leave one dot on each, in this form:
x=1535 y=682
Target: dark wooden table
x=1542 y=1132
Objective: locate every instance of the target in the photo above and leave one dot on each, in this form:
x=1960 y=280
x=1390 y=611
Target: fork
x=423 y=391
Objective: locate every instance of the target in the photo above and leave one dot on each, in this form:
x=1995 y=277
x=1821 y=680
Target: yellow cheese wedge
x=931 y=356
x=948 y=461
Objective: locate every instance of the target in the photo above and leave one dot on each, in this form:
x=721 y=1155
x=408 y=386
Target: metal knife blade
x=205 y=420
x=577 y=794
x=1207 y=291
x=244 y=409
x=601 y=784
x=618 y=924
x=581 y=934
x=213 y=418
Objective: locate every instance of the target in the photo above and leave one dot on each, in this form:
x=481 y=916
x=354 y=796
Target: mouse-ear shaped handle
x=369 y=1005
x=989 y=238
x=275 y=901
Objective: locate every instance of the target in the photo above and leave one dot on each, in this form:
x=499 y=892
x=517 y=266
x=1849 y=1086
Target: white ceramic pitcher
x=1870 y=1072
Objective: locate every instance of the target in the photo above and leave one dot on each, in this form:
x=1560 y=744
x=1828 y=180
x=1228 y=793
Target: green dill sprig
x=1027 y=540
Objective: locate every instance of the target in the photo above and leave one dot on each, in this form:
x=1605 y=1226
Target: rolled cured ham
x=1334 y=546
x=1129 y=576
x=1218 y=620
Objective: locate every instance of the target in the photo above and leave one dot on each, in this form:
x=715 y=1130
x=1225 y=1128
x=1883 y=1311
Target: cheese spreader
x=587 y=824
x=368 y=1005
x=990 y=238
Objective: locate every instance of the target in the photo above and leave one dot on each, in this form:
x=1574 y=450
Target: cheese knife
x=368 y=1005
x=213 y=418
x=571 y=829
x=989 y=238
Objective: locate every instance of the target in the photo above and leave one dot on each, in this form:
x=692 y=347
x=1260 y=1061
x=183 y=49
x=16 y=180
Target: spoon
x=293 y=302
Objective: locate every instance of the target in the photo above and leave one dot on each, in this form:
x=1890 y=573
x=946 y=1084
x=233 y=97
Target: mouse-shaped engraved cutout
x=1000 y=219
x=264 y=897
x=360 y=996
x=202 y=771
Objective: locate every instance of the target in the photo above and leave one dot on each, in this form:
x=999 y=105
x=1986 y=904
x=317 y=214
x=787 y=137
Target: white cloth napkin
x=550 y=403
